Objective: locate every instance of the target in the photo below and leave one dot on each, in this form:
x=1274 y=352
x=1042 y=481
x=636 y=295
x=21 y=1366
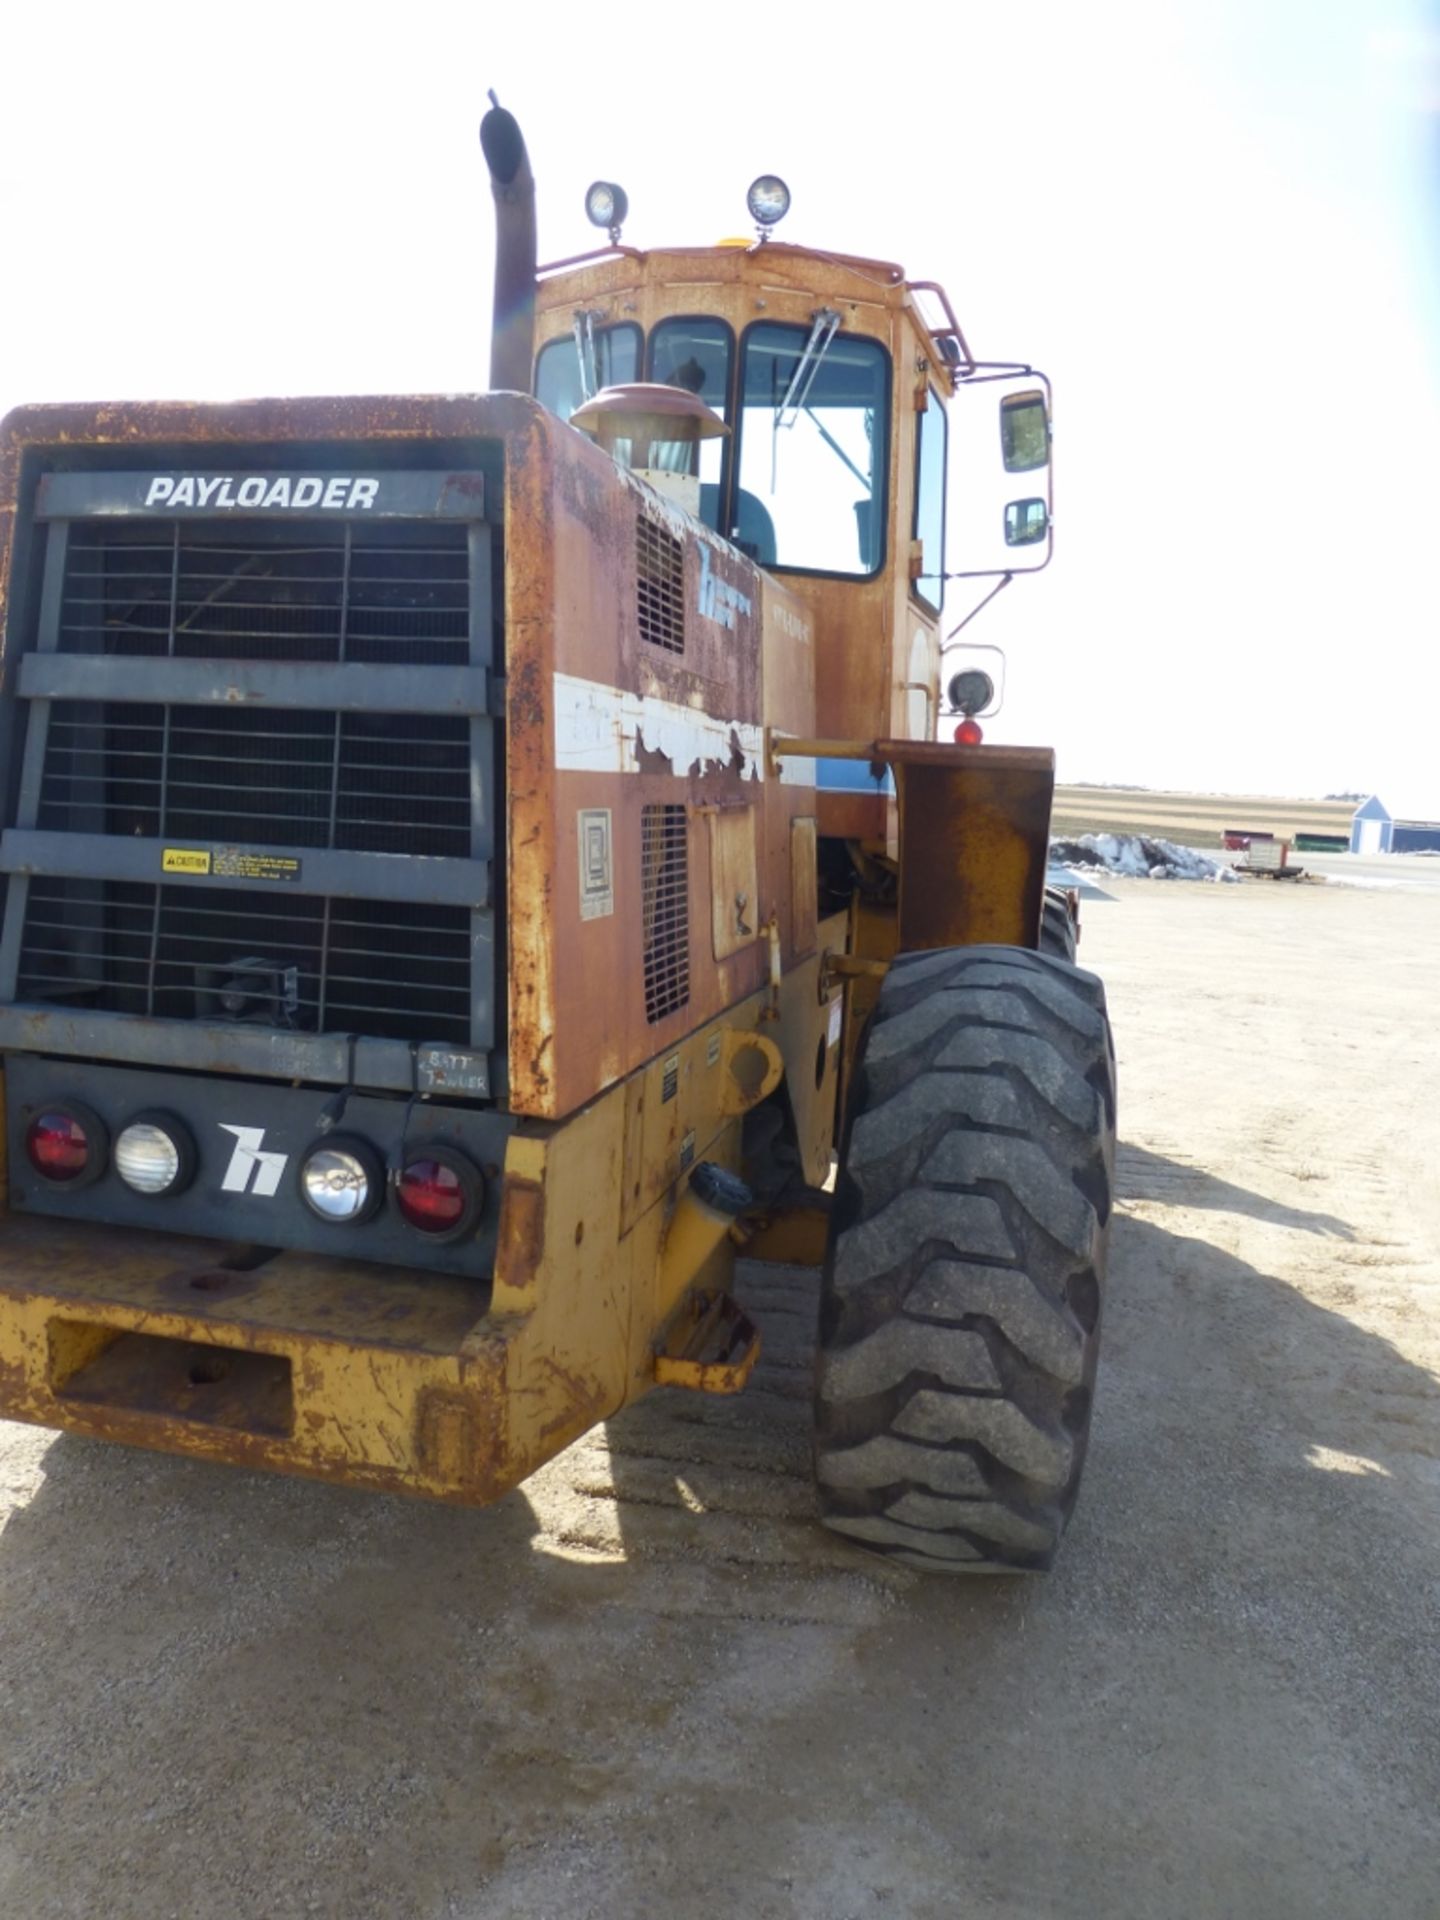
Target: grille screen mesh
x=660 y=585
x=370 y=782
x=214 y=591
x=261 y=776
x=185 y=952
x=665 y=871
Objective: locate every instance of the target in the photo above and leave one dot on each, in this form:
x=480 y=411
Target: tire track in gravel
x=708 y=1491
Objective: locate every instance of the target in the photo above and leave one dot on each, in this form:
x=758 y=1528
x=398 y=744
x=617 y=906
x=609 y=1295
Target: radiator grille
x=183 y=952
x=371 y=782
x=660 y=585
x=107 y=773
x=665 y=871
x=249 y=591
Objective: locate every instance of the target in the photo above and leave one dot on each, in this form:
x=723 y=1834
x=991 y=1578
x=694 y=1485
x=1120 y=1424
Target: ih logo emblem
x=251 y=1170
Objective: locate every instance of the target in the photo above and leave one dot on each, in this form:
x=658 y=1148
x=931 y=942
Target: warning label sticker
x=232 y=863
x=597 y=884
x=184 y=860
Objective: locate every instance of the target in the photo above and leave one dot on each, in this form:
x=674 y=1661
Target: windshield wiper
x=589 y=359
x=835 y=447
x=827 y=322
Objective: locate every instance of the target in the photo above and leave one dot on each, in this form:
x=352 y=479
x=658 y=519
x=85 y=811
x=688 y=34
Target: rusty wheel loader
x=472 y=863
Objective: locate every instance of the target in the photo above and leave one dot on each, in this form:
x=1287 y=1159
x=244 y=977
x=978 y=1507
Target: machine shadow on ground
x=1143 y=1175
x=317 y=1692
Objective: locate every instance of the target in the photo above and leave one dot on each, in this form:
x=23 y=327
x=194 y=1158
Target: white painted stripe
x=794 y=772
x=600 y=729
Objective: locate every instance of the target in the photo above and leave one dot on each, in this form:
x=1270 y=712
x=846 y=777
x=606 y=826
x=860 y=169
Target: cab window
x=812 y=462
x=696 y=354
x=932 y=432
x=557 y=371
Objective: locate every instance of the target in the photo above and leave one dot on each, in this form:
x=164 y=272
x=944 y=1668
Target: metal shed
x=1371 y=827
x=1375 y=829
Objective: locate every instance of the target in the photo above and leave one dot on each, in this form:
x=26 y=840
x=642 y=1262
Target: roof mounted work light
x=608 y=206
x=768 y=201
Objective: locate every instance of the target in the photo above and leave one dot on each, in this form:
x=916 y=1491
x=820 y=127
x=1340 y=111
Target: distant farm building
x=1375 y=829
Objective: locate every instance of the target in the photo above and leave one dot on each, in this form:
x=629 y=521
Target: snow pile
x=1137 y=856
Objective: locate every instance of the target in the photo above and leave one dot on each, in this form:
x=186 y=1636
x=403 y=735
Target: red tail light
x=439 y=1193
x=65 y=1146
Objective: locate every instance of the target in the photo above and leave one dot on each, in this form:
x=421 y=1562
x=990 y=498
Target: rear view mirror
x=1000 y=525
x=1026 y=523
x=1024 y=433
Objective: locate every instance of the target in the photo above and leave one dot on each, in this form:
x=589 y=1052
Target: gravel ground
x=647 y=1686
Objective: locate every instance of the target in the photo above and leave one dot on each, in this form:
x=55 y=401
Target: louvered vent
x=665 y=870
x=660 y=585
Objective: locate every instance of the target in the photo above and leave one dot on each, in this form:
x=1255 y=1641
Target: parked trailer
x=1237 y=839
x=1269 y=859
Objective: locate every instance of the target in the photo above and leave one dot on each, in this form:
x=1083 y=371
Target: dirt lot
x=648 y=1687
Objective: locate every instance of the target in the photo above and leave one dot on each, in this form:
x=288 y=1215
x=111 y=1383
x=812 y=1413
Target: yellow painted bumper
x=351 y=1372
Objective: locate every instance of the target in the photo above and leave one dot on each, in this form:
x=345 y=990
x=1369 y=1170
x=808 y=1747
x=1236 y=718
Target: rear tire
x=960 y=1310
x=1059 y=934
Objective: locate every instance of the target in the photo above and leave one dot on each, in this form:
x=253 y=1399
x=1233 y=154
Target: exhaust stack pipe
x=512 y=338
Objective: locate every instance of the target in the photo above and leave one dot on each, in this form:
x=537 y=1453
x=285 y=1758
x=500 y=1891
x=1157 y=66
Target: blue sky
x=1214 y=224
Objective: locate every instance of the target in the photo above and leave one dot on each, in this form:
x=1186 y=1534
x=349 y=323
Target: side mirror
x=1025 y=431
x=1026 y=523
x=993 y=533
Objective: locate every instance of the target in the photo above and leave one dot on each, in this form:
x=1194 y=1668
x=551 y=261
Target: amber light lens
x=58 y=1146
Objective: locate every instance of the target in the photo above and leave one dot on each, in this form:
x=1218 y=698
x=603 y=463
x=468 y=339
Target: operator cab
x=797 y=479
x=826 y=457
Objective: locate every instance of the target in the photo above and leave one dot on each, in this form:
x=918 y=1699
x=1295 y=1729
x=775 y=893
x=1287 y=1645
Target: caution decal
x=184 y=860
